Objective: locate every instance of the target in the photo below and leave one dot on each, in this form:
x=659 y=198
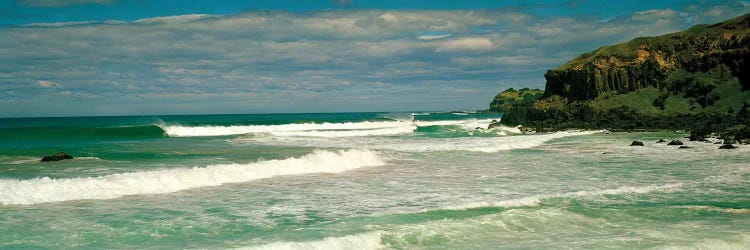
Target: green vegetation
x=695 y=79
x=510 y=98
x=696 y=59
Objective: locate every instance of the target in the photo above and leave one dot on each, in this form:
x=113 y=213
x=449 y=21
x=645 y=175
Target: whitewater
x=411 y=180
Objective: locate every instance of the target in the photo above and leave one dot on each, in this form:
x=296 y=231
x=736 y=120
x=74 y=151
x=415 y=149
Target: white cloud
x=278 y=54
x=432 y=37
x=47 y=84
x=59 y=3
x=181 y=19
x=471 y=43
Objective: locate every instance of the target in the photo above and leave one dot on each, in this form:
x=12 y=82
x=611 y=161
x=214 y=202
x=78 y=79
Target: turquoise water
x=362 y=181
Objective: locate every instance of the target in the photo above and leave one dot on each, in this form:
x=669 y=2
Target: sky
x=151 y=57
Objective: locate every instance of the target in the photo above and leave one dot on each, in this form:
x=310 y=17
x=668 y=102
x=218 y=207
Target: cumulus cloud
x=283 y=61
x=59 y=3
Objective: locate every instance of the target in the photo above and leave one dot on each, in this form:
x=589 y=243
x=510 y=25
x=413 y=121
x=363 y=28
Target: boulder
x=636 y=143
x=727 y=146
x=661 y=141
x=494 y=124
x=675 y=142
x=683 y=147
x=57 y=157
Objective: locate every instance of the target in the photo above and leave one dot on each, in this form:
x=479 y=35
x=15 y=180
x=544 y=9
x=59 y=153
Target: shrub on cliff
x=511 y=98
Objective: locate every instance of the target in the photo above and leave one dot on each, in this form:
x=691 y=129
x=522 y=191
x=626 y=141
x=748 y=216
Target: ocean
x=422 y=180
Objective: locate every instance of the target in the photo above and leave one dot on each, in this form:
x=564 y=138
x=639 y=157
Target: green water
x=361 y=181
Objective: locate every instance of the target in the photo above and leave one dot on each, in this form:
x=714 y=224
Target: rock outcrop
x=57 y=157
x=694 y=80
x=649 y=61
x=675 y=142
x=636 y=143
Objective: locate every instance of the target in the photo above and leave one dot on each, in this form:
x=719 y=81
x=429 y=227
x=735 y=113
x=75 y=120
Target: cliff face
x=645 y=62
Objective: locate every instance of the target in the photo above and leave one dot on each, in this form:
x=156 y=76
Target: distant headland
x=697 y=79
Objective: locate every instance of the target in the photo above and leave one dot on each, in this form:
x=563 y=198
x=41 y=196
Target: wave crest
x=364 y=241
x=42 y=190
x=532 y=201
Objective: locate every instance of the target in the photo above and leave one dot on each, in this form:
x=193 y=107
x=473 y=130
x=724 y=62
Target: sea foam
x=346 y=129
x=41 y=190
x=363 y=241
x=531 y=201
x=476 y=144
x=185 y=131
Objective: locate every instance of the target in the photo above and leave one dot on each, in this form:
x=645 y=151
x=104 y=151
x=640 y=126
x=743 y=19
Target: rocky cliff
x=649 y=61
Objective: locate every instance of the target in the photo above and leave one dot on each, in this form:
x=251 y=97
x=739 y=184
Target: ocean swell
x=42 y=190
x=535 y=200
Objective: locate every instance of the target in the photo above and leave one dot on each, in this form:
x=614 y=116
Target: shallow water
x=361 y=181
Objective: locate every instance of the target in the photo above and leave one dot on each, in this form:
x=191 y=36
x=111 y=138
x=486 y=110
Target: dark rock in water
x=675 y=142
x=661 y=141
x=57 y=157
x=636 y=143
x=718 y=142
x=684 y=147
x=493 y=121
x=727 y=146
x=700 y=134
x=494 y=124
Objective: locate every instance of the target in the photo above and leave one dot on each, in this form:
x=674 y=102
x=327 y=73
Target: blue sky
x=133 y=57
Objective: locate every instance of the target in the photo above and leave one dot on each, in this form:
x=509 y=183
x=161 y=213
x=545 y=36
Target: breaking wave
x=347 y=129
x=476 y=144
x=42 y=190
x=364 y=241
x=186 y=131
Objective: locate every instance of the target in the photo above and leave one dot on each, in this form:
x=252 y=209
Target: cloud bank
x=326 y=61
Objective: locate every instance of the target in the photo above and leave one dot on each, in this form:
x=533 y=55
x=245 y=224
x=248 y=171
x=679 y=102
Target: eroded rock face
x=57 y=157
x=645 y=62
x=591 y=81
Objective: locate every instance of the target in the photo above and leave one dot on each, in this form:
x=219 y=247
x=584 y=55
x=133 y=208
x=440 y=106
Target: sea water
x=422 y=180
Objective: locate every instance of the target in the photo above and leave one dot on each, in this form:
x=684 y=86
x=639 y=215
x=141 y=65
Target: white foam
x=536 y=199
x=22 y=161
x=348 y=133
x=41 y=190
x=180 y=131
x=476 y=144
x=364 y=241
x=351 y=129
x=485 y=144
x=468 y=124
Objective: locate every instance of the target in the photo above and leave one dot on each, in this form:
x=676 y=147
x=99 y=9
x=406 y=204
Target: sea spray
x=41 y=190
